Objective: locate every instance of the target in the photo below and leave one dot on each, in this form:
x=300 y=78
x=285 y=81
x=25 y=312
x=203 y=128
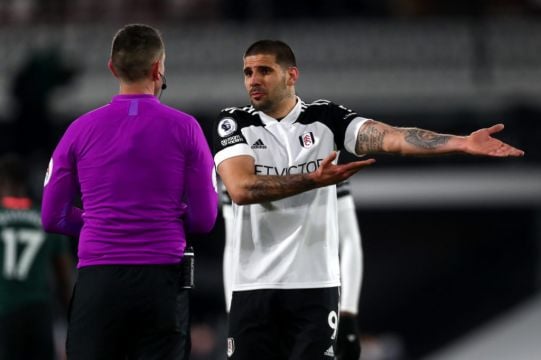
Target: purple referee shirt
x=144 y=173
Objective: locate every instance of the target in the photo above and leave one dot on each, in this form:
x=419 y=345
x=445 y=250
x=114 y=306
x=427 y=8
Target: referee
x=276 y=159
x=144 y=172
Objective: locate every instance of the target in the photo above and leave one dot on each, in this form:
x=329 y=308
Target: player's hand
x=481 y=142
x=348 y=345
x=329 y=173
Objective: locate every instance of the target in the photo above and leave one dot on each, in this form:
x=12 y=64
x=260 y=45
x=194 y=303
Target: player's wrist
x=312 y=180
x=459 y=144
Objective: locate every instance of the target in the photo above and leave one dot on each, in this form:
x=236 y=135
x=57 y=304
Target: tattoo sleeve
x=370 y=139
x=273 y=188
x=424 y=139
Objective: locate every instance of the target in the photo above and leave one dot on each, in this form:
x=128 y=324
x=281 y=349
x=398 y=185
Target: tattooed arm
x=246 y=187
x=378 y=137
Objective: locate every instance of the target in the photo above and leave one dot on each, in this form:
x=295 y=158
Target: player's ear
x=292 y=75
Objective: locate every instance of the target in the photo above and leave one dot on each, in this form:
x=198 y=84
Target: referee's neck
x=138 y=88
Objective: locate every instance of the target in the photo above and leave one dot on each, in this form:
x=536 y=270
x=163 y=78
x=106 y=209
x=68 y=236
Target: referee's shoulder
x=89 y=117
x=176 y=114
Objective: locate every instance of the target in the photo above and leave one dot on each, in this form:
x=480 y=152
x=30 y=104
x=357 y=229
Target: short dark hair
x=135 y=48
x=13 y=171
x=283 y=53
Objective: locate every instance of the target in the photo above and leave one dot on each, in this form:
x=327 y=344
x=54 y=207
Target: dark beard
x=263 y=106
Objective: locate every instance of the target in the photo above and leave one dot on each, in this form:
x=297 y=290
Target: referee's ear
x=112 y=68
x=293 y=75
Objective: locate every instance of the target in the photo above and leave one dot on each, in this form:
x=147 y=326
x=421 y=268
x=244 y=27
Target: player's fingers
x=495 y=128
x=358 y=165
x=329 y=159
x=506 y=150
x=363 y=163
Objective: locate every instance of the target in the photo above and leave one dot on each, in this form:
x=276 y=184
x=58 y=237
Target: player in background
x=351 y=268
x=27 y=254
x=227 y=264
x=348 y=346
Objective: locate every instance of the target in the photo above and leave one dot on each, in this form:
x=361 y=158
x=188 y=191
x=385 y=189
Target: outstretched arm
x=246 y=187
x=378 y=137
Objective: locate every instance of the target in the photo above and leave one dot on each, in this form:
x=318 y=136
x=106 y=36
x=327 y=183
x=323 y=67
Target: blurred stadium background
x=452 y=245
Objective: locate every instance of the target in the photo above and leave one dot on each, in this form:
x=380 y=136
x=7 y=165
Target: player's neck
x=283 y=108
x=16 y=202
x=14 y=197
x=13 y=190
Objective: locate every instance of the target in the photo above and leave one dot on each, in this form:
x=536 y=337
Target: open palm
x=481 y=142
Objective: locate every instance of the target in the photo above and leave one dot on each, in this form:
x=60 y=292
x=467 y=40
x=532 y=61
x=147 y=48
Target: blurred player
x=27 y=255
x=348 y=346
x=228 y=263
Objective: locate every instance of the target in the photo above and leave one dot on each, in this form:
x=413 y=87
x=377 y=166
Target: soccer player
x=27 y=256
x=349 y=238
x=144 y=172
x=276 y=159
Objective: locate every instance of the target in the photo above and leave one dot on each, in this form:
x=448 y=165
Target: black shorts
x=128 y=312
x=283 y=324
x=27 y=333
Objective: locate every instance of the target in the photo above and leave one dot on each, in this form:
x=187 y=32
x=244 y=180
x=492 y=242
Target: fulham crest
x=307 y=140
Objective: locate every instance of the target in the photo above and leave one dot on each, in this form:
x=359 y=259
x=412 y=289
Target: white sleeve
x=352 y=130
x=232 y=151
x=351 y=257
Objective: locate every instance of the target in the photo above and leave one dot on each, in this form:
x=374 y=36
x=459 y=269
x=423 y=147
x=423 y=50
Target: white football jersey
x=290 y=243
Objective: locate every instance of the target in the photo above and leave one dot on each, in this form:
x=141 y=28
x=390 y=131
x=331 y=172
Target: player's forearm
x=377 y=137
x=424 y=142
x=262 y=188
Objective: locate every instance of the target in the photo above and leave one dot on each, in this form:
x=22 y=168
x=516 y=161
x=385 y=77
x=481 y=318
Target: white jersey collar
x=288 y=119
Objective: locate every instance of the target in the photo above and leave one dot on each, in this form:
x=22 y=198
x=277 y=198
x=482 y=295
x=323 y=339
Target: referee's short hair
x=283 y=53
x=135 y=48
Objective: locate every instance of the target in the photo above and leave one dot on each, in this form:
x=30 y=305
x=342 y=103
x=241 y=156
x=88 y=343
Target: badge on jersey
x=307 y=140
x=226 y=127
x=48 y=173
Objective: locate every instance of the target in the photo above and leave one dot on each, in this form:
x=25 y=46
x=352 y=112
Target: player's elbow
x=244 y=190
x=240 y=197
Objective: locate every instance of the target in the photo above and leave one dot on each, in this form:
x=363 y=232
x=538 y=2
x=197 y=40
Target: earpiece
x=164 y=84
